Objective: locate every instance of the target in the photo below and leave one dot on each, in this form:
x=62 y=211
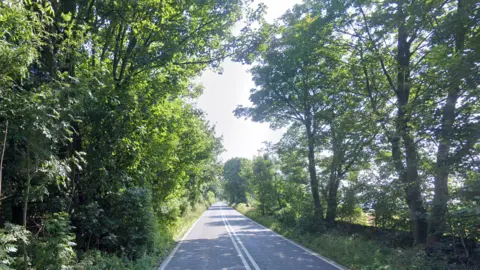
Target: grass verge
x=351 y=251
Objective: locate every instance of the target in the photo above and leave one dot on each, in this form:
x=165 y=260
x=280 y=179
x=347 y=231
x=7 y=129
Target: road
x=223 y=238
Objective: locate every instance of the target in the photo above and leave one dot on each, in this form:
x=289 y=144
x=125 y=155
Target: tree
x=97 y=98
x=458 y=129
x=290 y=79
x=236 y=184
x=387 y=88
x=406 y=71
x=263 y=183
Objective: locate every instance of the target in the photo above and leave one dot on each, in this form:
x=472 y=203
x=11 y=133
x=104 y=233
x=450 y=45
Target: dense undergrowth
x=351 y=251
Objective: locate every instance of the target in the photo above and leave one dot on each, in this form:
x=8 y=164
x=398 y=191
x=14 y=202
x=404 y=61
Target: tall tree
x=97 y=97
x=236 y=184
x=458 y=130
x=376 y=26
x=263 y=182
x=290 y=78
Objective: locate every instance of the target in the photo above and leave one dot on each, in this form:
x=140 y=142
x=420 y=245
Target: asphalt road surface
x=222 y=238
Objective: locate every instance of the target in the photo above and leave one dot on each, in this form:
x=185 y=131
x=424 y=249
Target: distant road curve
x=223 y=238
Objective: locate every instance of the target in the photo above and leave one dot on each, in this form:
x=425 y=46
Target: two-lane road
x=222 y=238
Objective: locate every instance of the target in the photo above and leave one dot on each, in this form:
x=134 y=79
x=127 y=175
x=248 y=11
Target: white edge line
x=235 y=244
x=298 y=245
x=255 y=265
x=165 y=263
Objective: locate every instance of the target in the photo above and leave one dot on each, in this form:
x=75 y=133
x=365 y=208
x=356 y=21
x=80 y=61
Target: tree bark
x=25 y=207
x=443 y=164
x=332 y=203
x=333 y=183
x=313 y=172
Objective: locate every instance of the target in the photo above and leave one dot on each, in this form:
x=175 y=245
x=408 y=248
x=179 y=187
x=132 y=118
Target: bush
x=241 y=207
x=210 y=197
x=95 y=260
x=185 y=208
x=164 y=241
x=286 y=216
x=169 y=210
x=10 y=238
x=310 y=224
x=136 y=222
x=53 y=250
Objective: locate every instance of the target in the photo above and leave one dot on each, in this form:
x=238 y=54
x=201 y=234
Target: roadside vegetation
x=351 y=251
x=165 y=239
x=104 y=159
x=380 y=103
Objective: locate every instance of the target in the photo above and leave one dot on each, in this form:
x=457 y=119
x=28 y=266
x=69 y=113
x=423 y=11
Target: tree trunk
x=313 y=172
x=333 y=184
x=279 y=201
x=4 y=145
x=442 y=169
x=408 y=175
x=26 y=196
x=413 y=192
x=332 y=199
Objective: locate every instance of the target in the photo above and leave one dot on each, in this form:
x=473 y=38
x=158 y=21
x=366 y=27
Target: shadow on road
x=218 y=253
x=216 y=208
x=210 y=246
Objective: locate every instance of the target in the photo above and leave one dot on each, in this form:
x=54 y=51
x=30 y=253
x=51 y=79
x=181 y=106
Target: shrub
x=10 y=238
x=241 y=207
x=169 y=210
x=95 y=260
x=210 y=197
x=185 y=209
x=286 y=216
x=309 y=224
x=54 y=249
x=136 y=222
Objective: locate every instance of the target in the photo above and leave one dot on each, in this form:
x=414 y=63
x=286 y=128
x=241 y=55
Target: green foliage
x=307 y=223
x=262 y=182
x=134 y=221
x=242 y=207
x=350 y=209
x=236 y=185
x=10 y=238
x=354 y=252
x=54 y=249
x=211 y=197
x=164 y=238
x=381 y=107
x=102 y=126
x=286 y=216
x=464 y=212
x=95 y=260
x=380 y=100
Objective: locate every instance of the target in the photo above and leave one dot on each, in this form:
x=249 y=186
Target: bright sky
x=222 y=94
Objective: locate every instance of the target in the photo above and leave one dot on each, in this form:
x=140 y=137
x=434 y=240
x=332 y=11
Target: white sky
x=222 y=94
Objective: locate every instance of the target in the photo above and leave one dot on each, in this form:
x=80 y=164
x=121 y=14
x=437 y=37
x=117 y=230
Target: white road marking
x=298 y=245
x=235 y=244
x=255 y=265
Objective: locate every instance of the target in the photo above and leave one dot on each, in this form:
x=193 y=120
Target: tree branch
x=382 y=63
